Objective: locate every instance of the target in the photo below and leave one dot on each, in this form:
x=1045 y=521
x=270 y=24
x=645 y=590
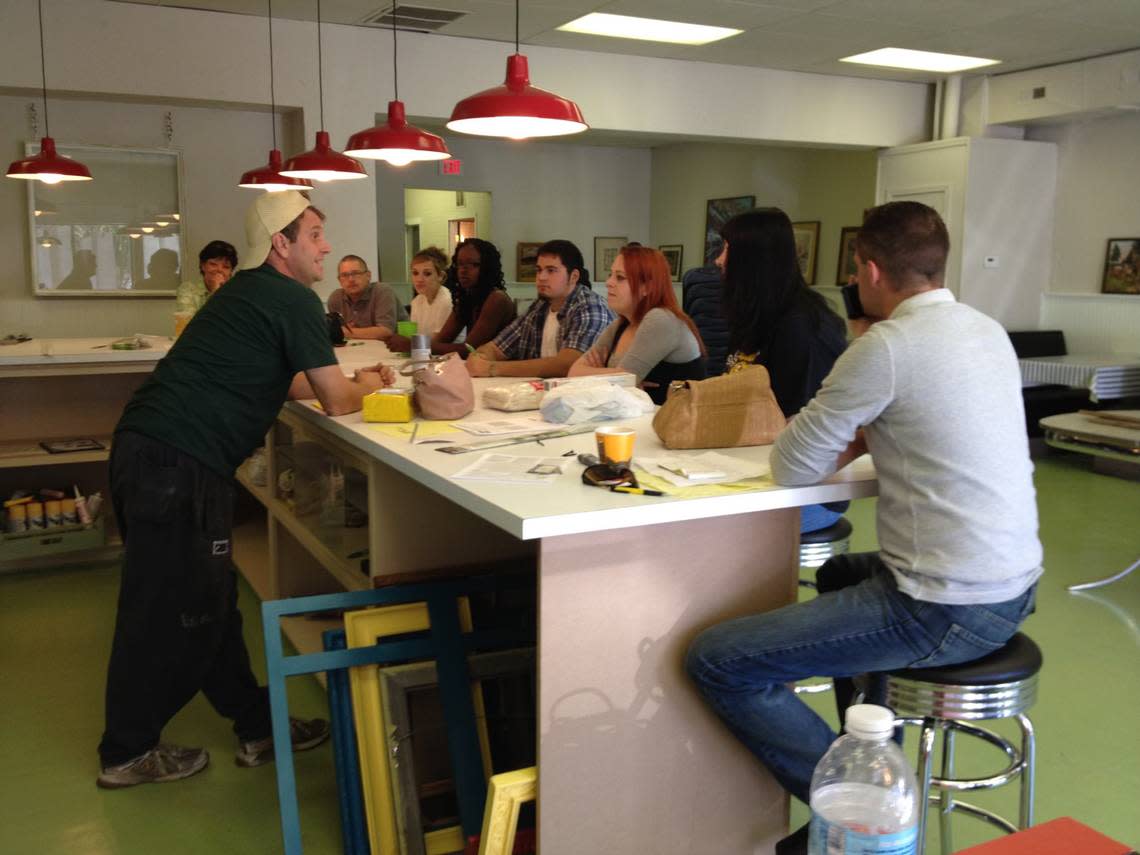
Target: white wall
x=539 y=191
x=832 y=186
x=1098 y=188
x=1098 y=185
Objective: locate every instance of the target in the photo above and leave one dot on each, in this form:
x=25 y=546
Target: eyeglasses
x=351 y=273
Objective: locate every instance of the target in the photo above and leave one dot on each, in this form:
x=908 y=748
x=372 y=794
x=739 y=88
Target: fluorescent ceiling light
x=647 y=29
x=919 y=60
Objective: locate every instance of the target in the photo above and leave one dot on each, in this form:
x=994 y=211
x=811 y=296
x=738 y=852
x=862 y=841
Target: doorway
x=443 y=218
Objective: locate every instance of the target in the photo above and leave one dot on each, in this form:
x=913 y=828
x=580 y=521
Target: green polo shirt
x=219 y=389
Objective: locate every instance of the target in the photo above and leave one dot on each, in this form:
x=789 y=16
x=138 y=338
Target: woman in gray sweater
x=652 y=338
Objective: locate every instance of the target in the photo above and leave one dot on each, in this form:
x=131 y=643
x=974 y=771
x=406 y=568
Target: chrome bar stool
x=998 y=686
x=817 y=546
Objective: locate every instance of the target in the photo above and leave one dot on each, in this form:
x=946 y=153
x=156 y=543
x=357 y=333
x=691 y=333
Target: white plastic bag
x=591 y=400
x=514 y=396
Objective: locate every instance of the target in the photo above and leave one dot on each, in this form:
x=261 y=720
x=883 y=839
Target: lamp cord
x=516 y=26
x=395 y=67
x=272 y=89
x=43 y=67
x=320 y=71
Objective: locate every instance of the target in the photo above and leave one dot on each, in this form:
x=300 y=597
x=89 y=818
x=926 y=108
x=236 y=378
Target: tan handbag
x=722 y=412
x=443 y=388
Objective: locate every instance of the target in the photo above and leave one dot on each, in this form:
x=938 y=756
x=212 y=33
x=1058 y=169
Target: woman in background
x=431 y=306
x=776 y=320
x=652 y=338
x=480 y=302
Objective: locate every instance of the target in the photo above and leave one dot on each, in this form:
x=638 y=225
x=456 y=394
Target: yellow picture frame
x=362 y=629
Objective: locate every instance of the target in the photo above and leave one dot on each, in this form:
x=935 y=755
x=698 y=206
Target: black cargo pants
x=178 y=630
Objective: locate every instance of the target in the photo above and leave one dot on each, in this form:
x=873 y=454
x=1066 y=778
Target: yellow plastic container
x=388 y=405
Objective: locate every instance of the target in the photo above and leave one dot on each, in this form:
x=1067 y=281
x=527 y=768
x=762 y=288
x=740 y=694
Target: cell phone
x=335 y=322
x=851 y=301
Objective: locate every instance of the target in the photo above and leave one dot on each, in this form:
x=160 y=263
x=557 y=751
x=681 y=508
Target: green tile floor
x=55 y=632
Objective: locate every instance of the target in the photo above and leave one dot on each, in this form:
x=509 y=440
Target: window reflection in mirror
x=118 y=235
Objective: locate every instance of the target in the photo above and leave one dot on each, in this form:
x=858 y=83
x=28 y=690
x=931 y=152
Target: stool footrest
x=978 y=813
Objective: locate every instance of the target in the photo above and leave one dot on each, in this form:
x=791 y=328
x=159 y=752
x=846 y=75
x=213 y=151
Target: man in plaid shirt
x=559 y=326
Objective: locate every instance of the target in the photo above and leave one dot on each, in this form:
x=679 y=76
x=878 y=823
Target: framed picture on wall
x=1122 y=266
x=717 y=213
x=606 y=249
x=845 y=266
x=673 y=253
x=527 y=266
x=807 y=247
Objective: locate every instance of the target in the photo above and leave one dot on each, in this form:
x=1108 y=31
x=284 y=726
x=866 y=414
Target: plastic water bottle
x=863 y=794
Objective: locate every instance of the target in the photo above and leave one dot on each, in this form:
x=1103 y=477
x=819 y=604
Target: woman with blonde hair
x=652 y=338
x=432 y=304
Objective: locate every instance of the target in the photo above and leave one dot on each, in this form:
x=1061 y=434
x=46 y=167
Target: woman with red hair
x=652 y=338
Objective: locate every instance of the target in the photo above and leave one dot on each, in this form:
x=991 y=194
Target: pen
x=415 y=430
x=637 y=491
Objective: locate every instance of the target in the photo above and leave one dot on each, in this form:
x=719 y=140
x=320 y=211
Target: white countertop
x=79 y=351
x=568 y=506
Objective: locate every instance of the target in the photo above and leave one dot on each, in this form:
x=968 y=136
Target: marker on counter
x=637 y=491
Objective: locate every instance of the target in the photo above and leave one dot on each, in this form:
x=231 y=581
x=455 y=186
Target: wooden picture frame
x=1121 y=266
x=526 y=267
x=807 y=247
x=398 y=685
x=674 y=253
x=717 y=213
x=606 y=250
x=845 y=264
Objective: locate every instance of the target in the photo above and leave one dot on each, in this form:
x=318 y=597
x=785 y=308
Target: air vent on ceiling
x=412 y=18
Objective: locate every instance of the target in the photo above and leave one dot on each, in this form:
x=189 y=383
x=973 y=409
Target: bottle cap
x=870 y=721
x=421 y=342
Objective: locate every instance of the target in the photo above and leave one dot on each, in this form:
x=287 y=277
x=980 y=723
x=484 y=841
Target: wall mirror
x=119 y=235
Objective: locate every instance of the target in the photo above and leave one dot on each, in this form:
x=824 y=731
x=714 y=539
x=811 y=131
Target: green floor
x=55 y=631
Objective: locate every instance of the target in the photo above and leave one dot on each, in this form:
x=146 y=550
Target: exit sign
x=451 y=166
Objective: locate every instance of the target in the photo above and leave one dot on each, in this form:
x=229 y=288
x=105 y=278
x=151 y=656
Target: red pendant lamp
x=269 y=177
x=323 y=162
x=48 y=166
x=516 y=109
x=396 y=141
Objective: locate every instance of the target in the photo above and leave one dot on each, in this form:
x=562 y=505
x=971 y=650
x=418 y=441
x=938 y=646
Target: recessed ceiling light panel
x=919 y=60
x=647 y=29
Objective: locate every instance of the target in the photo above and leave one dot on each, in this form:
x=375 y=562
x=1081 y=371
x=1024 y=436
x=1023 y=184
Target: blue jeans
x=859 y=623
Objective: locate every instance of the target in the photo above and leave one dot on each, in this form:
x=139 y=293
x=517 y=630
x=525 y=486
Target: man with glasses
x=370 y=309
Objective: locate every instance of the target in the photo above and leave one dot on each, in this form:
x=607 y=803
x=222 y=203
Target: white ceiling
x=798 y=35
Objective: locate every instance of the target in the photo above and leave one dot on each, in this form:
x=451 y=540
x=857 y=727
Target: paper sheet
x=505 y=426
x=509 y=469
x=693 y=470
x=426 y=432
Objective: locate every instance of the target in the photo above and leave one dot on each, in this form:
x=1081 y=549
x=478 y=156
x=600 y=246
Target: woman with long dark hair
x=480 y=301
x=776 y=320
x=652 y=338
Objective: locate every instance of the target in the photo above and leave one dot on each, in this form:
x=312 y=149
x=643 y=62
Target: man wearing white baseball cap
x=209 y=403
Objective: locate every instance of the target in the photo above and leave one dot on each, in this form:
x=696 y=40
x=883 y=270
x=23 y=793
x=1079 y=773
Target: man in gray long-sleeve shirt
x=932 y=390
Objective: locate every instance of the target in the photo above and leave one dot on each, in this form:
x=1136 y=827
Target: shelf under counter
x=15 y=453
